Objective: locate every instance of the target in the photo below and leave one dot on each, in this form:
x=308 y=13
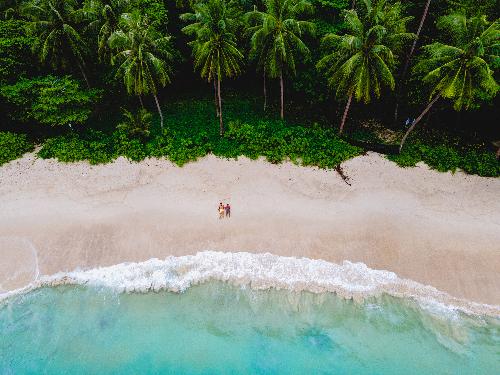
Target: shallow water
x=216 y=328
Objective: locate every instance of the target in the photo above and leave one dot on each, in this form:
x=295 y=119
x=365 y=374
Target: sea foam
x=262 y=271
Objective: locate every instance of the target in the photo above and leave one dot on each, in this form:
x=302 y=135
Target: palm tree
x=104 y=17
x=392 y=18
x=57 y=39
x=144 y=56
x=136 y=124
x=359 y=64
x=460 y=71
x=408 y=58
x=276 y=38
x=215 y=52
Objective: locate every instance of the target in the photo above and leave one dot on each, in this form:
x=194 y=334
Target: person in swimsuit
x=221 y=211
x=228 y=210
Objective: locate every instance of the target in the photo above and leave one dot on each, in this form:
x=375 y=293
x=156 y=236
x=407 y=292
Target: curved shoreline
x=438 y=229
x=261 y=272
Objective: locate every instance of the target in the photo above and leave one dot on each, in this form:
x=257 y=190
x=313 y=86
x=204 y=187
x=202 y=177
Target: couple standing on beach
x=224 y=210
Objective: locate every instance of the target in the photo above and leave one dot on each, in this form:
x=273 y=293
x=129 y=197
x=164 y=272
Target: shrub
x=95 y=146
x=13 y=145
x=66 y=148
x=49 y=100
x=278 y=141
x=191 y=132
x=15 y=51
x=477 y=161
x=136 y=124
x=473 y=159
x=133 y=149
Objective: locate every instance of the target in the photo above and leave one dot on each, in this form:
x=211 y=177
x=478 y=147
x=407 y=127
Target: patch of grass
x=13 y=146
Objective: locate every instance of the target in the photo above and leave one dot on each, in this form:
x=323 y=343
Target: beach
x=438 y=229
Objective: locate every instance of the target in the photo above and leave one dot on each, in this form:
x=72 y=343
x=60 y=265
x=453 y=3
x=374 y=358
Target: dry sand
x=435 y=228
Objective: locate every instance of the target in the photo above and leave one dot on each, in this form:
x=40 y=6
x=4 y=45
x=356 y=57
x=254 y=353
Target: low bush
x=478 y=161
x=13 y=146
x=50 y=100
x=448 y=155
x=191 y=131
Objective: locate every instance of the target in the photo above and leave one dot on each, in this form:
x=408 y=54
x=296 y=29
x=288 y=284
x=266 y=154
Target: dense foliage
x=361 y=62
x=215 y=51
x=276 y=38
x=448 y=155
x=189 y=133
x=50 y=100
x=15 y=46
x=66 y=67
x=461 y=71
x=13 y=146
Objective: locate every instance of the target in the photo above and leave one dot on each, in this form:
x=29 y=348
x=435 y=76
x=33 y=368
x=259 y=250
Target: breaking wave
x=260 y=272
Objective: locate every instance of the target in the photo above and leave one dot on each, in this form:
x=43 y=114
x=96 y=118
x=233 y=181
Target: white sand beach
x=439 y=229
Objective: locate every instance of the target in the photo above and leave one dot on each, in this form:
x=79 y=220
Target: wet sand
x=436 y=228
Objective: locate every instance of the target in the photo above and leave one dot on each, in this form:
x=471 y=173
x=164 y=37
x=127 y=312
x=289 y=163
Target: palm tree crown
x=215 y=51
x=392 y=18
x=104 y=17
x=136 y=124
x=359 y=64
x=276 y=37
x=461 y=70
x=144 y=56
x=53 y=24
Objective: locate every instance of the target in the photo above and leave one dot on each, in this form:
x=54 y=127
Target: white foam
x=261 y=271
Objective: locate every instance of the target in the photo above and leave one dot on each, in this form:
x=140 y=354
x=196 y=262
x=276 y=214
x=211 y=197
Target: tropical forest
x=312 y=82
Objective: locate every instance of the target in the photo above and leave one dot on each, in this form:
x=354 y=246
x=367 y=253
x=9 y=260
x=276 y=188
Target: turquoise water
x=216 y=328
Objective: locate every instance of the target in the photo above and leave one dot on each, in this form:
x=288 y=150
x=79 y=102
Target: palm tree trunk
x=159 y=110
x=417 y=120
x=353 y=4
x=408 y=59
x=221 y=124
x=422 y=20
x=84 y=75
x=281 y=86
x=344 y=116
x=265 y=92
x=215 y=99
x=140 y=100
x=428 y=118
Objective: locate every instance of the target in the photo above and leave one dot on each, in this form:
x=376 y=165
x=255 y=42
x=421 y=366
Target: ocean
x=219 y=313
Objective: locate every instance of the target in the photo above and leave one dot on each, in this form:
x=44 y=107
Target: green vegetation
x=15 y=44
x=448 y=155
x=143 y=56
x=49 y=100
x=136 y=124
x=361 y=62
x=460 y=71
x=215 y=51
x=66 y=67
x=13 y=146
x=54 y=27
x=189 y=133
x=276 y=39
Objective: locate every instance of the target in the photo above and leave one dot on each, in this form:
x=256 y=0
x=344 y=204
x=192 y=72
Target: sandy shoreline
x=437 y=229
